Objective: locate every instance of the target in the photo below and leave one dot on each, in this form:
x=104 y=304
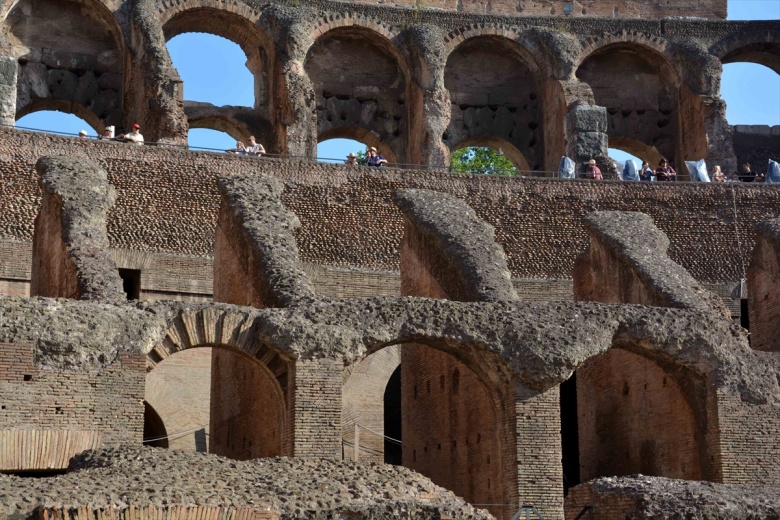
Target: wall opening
x=219 y=400
x=155 y=434
x=214 y=69
x=481 y=160
x=570 y=449
x=335 y=151
x=131 y=283
x=212 y=140
x=55 y=122
x=744 y=316
x=393 y=429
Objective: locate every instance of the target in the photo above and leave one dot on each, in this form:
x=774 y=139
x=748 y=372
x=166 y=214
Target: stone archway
x=495 y=97
x=499 y=145
x=213 y=383
x=639 y=89
x=361 y=84
x=71 y=58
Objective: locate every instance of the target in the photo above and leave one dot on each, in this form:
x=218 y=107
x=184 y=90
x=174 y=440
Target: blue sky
x=213 y=70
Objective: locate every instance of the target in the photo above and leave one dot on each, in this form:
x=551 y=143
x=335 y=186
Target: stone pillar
x=317 y=408
x=429 y=101
x=153 y=91
x=586 y=134
x=295 y=112
x=8 y=71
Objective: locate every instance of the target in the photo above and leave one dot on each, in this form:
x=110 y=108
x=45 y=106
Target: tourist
x=352 y=159
x=734 y=177
x=374 y=159
x=646 y=173
x=254 y=148
x=108 y=133
x=82 y=134
x=664 y=172
x=747 y=175
x=717 y=175
x=593 y=171
x=133 y=137
x=240 y=149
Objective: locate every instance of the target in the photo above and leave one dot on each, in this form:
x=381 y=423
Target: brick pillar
x=538 y=450
x=8 y=72
x=586 y=134
x=316 y=408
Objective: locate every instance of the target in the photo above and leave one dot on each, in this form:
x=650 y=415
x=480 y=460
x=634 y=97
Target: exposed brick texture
x=634 y=418
x=105 y=400
x=763 y=278
x=316 y=408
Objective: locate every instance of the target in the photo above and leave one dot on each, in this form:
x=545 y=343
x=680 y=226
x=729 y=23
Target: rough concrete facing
x=306 y=488
x=254 y=201
x=71 y=334
x=639 y=497
x=642 y=247
x=541 y=344
x=82 y=190
x=465 y=245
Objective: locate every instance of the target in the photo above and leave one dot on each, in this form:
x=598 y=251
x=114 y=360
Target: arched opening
x=335 y=151
x=635 y=416
x=638 y=89
x=626 y=150
x=484 y=159
x=753 y=142
x=364 y=414
x=364 y=139
x=495 y=100
x=219 y=400
x=212 y=140
x=54 y=121
x=360 y=82
x=70 y=59
x=222 y=57
x=393 y=417
x=570 y=447
x=155 y=434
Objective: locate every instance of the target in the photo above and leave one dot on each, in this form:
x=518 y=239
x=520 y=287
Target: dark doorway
x=154 y=429
x=131 y=283
x=744 y=317
x=393 y=448
x=570 y=447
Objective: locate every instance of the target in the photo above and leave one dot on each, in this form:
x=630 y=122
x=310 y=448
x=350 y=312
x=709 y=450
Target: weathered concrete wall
x=256 y=258
x=70 y=257
x=756 y=144
x=763 y=278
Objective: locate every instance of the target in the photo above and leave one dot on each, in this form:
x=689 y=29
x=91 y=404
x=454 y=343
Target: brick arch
x=166 y=11
x=66 y=106
x=762 y=48
x=337 y=21
x=210 y=327
x=235 y=129
x=651 y=48
x=510 y=36
x=508 y=149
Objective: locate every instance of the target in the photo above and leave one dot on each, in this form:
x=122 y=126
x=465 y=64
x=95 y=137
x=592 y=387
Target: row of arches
x=622 y=413
x=365 y=85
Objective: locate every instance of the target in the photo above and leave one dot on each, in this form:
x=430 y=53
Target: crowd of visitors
x=251 y=148
x=666 y=173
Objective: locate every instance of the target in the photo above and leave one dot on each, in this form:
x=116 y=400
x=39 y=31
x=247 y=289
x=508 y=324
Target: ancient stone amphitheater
x=326 y=341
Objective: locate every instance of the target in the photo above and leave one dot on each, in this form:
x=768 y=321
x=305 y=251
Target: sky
x=213 y=70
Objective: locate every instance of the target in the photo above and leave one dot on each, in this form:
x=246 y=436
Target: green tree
x=480 y=159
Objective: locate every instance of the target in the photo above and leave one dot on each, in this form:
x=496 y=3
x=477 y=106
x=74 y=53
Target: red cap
x=136 y=125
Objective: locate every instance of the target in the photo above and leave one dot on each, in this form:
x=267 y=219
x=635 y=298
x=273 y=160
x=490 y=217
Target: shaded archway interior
x=639 y=90
x=495 y=98
x=218 y=399
x=70 y=59
x=360 y=83
x=155 y=434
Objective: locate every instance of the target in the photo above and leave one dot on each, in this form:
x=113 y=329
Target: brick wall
x=633 y=418
x=349 y=221
x=315 y=412
x=104 y=400
x=756 y=144
x=53 y=271
x=247 y=408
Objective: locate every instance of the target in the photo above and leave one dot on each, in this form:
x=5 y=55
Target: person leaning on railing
x=664 y=172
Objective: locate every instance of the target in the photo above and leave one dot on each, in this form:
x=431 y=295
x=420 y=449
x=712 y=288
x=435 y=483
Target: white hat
x=82 y=132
